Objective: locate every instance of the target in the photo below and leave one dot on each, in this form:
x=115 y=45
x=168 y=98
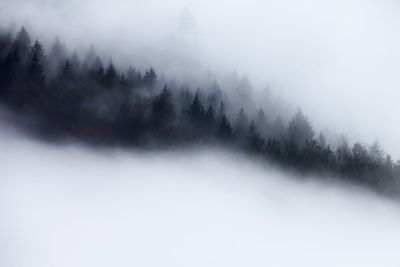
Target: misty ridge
x=64 y=96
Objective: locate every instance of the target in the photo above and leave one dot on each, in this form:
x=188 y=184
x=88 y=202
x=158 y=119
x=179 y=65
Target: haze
x=338 y=60
x=74 y=206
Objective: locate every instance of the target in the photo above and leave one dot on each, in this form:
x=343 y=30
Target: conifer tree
x=241 y=125
x=150 y=77
x=224 y=129
x=163 y=111
x=255 y=142
x=36 y=67
x=23 y=44
x=196 y=110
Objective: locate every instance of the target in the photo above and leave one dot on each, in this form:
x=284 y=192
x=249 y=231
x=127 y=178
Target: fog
x=75 y=205
x=66 y=205
x=338 y=60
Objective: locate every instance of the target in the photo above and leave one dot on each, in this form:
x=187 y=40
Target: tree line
x=87 y=99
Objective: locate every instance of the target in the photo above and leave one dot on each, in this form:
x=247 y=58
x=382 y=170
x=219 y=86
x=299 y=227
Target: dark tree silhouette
x=111 y=76
x=224 y=129
x=36 y=66
x=196 y=110
x=150 y=78
x=163 y=111
x=299 y=129
x=241 y=125
x=255 y=142
x=67 y=98
x=23 y=44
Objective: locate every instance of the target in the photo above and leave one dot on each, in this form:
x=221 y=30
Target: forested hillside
x=89 y=99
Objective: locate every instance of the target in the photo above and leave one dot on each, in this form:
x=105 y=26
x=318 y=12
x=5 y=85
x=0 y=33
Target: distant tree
x=376 y=153
x=56 y=58
x=5 y=44
x=36 y=67
x=163 y=111
x=210 y=116
x=273 y=148
x=23 y=44
x=58 y=50
x=278 y=129
x=225 y=129
x=221 y=111
x=343 y=152
x=111 y=76
x=241 y=125
x=216 y=94
x=244 y=90
x=67 y=73
x=134 y=77
x=321 y=140
x=262 y=123
x=97 y=64
x=99 y=75
x=358 y=161
x=196 y=110
x=185 y=98
x=150 y=77
x=75 y=61
x=90 y=59
x=210 y=121
x=255 y=142
x=11 y=70
x=299 y=129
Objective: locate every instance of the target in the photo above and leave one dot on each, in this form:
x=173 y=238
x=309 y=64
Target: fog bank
x=70 y=206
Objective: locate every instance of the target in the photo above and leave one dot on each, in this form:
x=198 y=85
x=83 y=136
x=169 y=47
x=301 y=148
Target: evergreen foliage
x=87 y=101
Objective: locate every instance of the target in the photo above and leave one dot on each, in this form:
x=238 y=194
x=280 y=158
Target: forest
x=67 y=97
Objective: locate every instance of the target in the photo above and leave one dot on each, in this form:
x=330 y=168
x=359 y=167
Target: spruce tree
x=224 y=129
x=163 y=110
x=36 y=67
x=255 y=142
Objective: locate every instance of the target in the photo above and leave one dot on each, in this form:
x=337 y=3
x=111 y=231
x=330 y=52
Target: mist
x=337 y=59
x=109 y=185
x=73 y=206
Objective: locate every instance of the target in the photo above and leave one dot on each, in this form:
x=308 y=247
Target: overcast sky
x=337 y=59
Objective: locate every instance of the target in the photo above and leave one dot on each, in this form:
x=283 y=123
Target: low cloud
x=79 y=207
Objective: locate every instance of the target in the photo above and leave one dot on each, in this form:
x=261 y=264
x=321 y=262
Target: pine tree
x=261 y=121
x=134 y=77
x=299 y=129
x=221 y=111
x=56 y=58
x=224 y=129
x=241 y=125
x=111 y=76
x=163 y=110
x=75 y=61
x=67 y=73
x=23 y=44
x=90 y=60
x=255 y=142
x=210 y=116
x=36 y=68
x=196 y=110
x=150 y=77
